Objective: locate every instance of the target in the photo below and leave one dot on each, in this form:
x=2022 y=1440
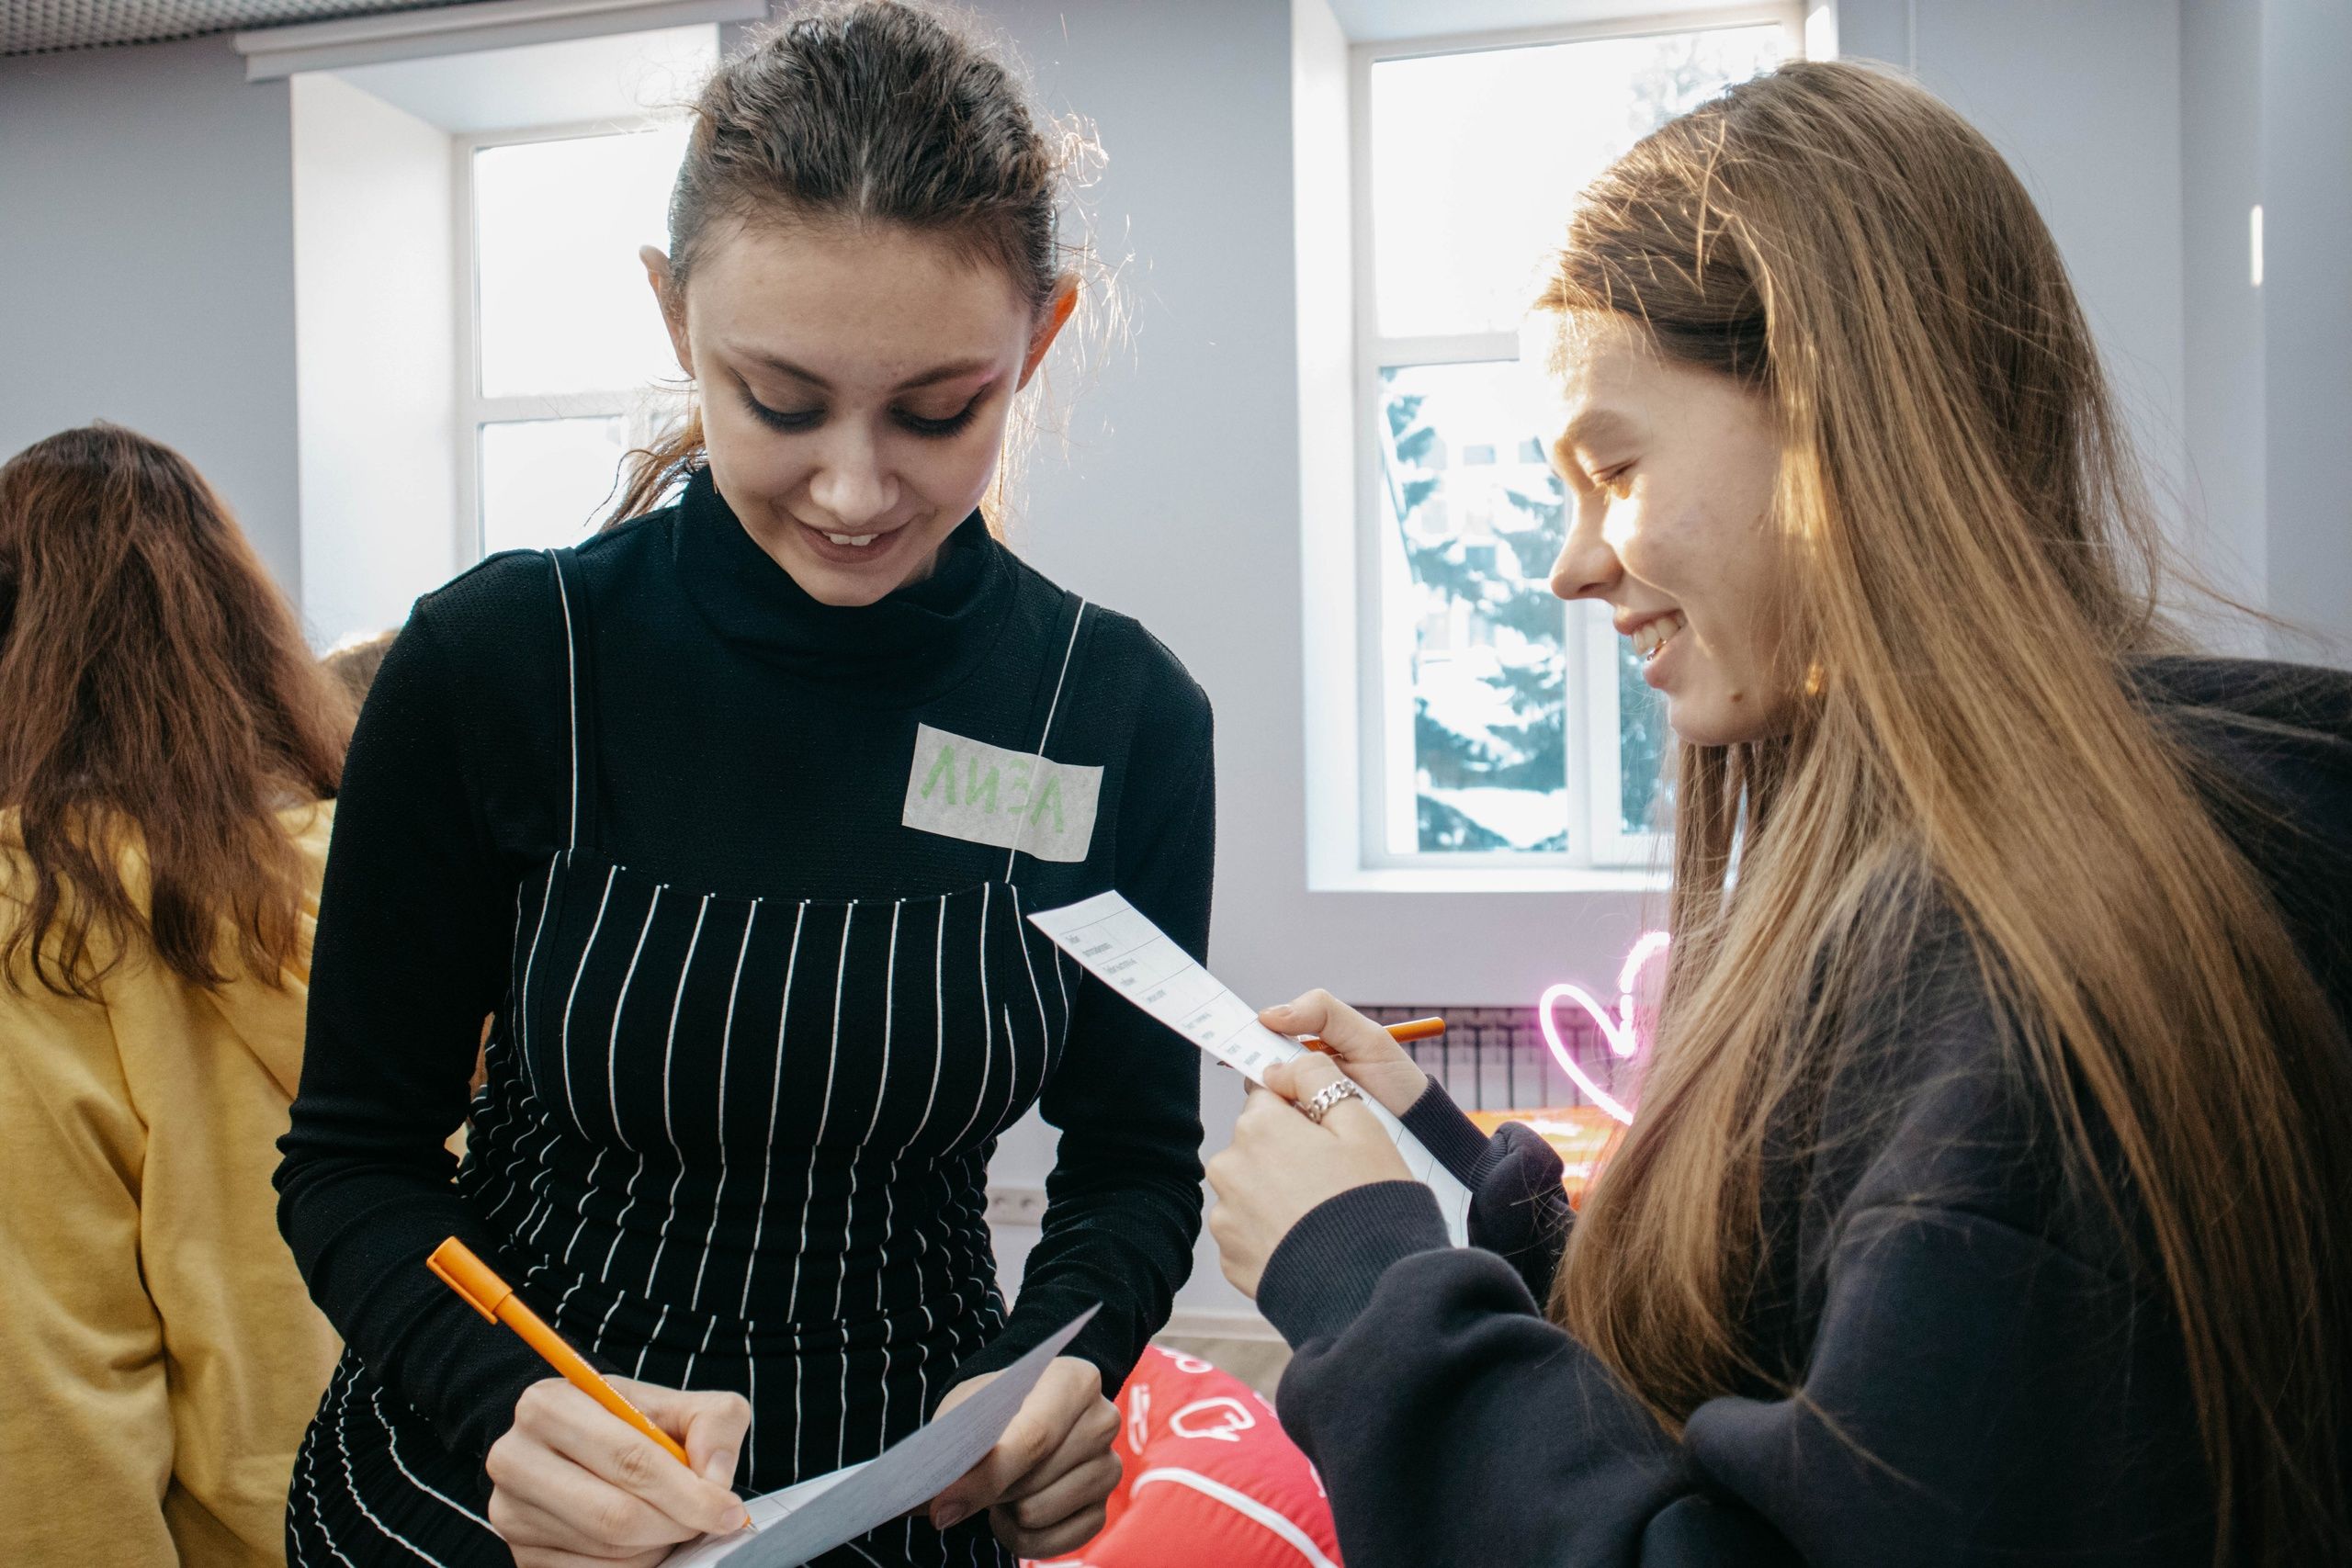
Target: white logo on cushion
x=1237 y=1419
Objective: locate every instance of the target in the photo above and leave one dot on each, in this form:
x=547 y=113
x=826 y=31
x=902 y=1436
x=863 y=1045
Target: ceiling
x=37 y=26
x=1384 y=21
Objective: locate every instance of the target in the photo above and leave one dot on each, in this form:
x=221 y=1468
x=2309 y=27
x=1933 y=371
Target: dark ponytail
x=875 y=111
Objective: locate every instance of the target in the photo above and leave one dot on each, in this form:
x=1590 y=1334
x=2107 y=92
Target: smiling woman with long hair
x=1986 y=1199
x=168 y=756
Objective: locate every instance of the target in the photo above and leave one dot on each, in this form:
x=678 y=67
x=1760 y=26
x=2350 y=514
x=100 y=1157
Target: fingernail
x=949 y=1517
x=720 y=1467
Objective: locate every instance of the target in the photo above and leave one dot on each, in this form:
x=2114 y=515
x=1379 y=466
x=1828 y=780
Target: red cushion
x=1207 y=1476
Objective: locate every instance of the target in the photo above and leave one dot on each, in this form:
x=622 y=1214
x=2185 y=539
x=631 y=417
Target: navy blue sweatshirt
x=1930 y=1296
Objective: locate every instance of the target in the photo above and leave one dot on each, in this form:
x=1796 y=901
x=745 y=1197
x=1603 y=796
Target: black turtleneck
x=749 y=742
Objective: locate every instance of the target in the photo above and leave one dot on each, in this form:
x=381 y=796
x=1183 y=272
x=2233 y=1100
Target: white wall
x=376 y=345
x=146 y=234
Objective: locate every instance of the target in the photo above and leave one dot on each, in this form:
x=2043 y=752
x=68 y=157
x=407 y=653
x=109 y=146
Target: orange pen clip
x=455 y=1263
x=1403 y=1033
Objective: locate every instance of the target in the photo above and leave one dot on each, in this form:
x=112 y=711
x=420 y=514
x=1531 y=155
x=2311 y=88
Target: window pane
x=546 y=481
x=564 y=307
x=1645 y=803
x=1480 y=522
x=1476 y=157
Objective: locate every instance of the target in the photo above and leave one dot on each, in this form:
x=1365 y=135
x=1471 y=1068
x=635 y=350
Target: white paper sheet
x=791 y=1526
x=1120 y=945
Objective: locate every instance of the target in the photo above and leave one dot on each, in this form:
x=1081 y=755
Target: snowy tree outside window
x=1512 y=728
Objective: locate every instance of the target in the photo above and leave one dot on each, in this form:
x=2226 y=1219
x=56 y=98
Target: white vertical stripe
x=725 y=1039
x=539 y=930
x=522 y=1015
x=310 y=1468
x=639 y=1372
x=686 y=1378
x=596 y=1345
x=988 y=1023
x=889 y=1002
x=1013 y=1071
x=760 y=1217
x=572 y=684
x=923 y=1372
x=563 y=1036
x=939 y=1027
x=809 y=1189
x=1044 y=1028
x=669 y=1130
x=1036 y=762
x=613 y=1094
x=589 y=1186
x=775 y=1093
x=824 y=1115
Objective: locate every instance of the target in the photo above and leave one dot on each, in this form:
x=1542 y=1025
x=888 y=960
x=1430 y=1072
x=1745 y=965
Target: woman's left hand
x=1280 y=1165
x=1046 y=1481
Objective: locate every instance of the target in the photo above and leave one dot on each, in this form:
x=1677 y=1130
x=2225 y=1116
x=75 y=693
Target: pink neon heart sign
x=1619 y=1028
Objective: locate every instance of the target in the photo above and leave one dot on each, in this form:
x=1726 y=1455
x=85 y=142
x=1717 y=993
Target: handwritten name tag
x=986 y=795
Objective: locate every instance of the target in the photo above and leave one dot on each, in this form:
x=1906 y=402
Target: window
x=1501 y=727
x=564 y=360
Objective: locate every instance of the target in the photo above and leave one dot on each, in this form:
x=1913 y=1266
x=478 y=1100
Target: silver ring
x=1330 y=1095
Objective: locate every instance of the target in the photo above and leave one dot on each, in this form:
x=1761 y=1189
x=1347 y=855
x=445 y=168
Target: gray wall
x=147 y=235
x=2306 y=139
x=2147 y=129
x=2221 y=333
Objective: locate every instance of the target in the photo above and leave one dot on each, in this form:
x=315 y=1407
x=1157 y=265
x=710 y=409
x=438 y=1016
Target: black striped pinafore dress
x=729 y=1143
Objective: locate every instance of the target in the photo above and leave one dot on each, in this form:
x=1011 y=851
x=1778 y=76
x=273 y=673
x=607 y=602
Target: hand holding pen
x=594 y=1470
x=1372 y=1056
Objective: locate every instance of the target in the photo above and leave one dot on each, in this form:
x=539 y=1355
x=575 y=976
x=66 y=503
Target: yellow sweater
x=159 y=1358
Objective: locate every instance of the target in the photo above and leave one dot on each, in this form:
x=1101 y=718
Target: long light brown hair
x=159 y=698
x=870 y=112
x=1975 y=566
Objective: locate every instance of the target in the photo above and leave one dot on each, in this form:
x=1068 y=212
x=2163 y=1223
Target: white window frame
x=1600 y=852
x=645 y=409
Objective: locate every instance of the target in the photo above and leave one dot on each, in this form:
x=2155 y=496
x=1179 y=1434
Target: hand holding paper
x=791 y=1526
x=1115 y=941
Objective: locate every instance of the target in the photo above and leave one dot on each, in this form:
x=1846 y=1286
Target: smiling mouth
x=853 y=541
x=1651 y=635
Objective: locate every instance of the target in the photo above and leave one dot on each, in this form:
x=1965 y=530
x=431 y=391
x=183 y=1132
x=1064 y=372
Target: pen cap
x=468 y=1275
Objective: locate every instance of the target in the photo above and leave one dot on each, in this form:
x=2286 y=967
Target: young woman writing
x=168 y=760
x=1985 y=1199
x=731 y=817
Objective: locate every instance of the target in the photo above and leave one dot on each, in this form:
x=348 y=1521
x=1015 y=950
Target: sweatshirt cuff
x=1323 y=1273
x=1448 y=1134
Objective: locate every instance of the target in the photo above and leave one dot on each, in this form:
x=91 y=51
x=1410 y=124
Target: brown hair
x=1975 y=566
x=159 y=700
x=352 y=666
x=875 y=112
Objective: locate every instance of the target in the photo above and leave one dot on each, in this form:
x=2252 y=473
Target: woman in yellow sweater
x=167 y=764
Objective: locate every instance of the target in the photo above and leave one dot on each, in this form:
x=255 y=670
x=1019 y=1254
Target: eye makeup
x=793 y=421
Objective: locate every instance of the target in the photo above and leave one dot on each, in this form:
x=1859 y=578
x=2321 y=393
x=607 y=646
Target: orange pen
x=493 y=1297
x=1403 y=1033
